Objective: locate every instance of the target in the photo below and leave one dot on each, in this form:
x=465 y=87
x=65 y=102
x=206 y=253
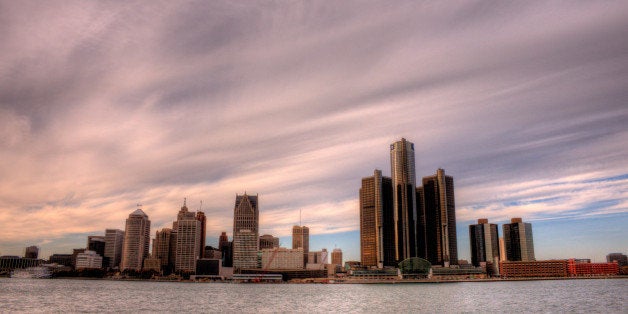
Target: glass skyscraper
x=404 y=198
x=518 y=241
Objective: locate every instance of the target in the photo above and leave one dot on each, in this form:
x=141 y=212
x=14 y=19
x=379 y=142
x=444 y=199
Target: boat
x=31 y=272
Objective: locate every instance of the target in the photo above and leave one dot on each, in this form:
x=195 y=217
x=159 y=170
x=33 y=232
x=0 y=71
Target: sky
x=106 y=104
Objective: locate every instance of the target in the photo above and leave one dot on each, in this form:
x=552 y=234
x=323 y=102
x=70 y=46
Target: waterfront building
x=282 y=258
x=10 y=262
x=200 y=216
x=162 y=249
x=336 y=257
x=114 y=240
x=440 y=219
x=210 y=267
x=518 y=241
x=586 y=268
x=245 y=231
x=551 y=268
x=267 y=241
x=484 y=241
x=377 y=224
x=75 y=253
x=88 y=259
x=621 y=259
x=31 y=252
x=188 y=246
x=403 y=179
x=136 y=241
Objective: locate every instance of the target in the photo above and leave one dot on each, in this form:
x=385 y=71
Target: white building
x=88 y=259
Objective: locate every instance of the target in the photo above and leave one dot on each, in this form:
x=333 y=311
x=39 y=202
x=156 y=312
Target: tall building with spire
x=518 y=242
x=404 y=198
x=377 y=225
x=200 y=216
x=245 y=231
x=188 y=246
x=440 y=219
x=484 y=241
x=136 y=241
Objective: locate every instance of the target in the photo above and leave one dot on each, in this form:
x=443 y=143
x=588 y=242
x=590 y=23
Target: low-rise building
x=88 y=259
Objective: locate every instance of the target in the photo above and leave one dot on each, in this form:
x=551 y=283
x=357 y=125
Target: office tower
x=518 y=241
x=421 y=235
x=162 y=249
x=114 y=240
x=188 y=240
x=377 y=226
x=245 y=231
x=301 y=238
x=440 y=219
x=484 y=240
x=223 y=239
x=31 y=252
x=136 y=241
x=317 y=257
x=267 y=241
x=336 y=257
x=97 y=244
x=502 y=249
x=404 y=198
x=200 y=216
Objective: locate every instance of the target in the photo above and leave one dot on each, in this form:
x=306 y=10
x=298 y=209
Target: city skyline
x=101 y=107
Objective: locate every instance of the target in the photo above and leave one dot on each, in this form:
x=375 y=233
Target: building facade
x=518 y=241
x=200 y=216
x=245 y=231
x=301 y=238
x=440 y=219
x=114 y=240
x=282 y=258
x=403 y=178
x=188 y=246
x=88 y=259
x=31 y=252
x=162 y=249
x=484 y=241
x=136 y=241
x=336 y=257
x=377 y=224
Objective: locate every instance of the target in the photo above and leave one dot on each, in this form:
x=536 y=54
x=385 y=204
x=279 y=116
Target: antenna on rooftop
x=201 y=206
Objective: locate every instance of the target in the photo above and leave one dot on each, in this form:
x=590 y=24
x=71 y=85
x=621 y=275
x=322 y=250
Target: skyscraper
x=404 y=198
x=200 y=216
x=226 y=248
x=162 y=249
x=301 y=238
x=245 y=231
x=377 y=226
x=440 y=219
x=188 y=240
x=136 y=240
x=336 y=257
x=114 y=240
x=484 y=240
x=518 y=241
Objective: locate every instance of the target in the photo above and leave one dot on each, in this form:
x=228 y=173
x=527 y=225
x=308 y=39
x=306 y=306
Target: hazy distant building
x=31 y=252
x=245 y=231
x=484 y=241
x=317 y=257
x=336 y=257
x=282 y=258
x=404 y=198
x=88 y=259
x=136 y=241
x=377 y=225
x=114 y=241
x=440 y=219
x=267 y=241
x=518 y=241
x=188 y=240
x=621 y=259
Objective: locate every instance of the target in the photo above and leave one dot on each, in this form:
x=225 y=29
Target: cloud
x=106 y=105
